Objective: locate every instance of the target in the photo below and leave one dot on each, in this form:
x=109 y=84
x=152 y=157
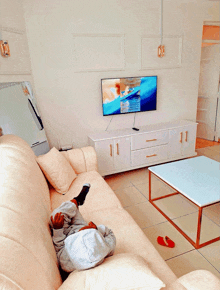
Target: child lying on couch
x=79 y=245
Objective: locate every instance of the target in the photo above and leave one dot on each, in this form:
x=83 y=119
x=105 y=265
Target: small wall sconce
x=4 y=47
x=161 y=51
x=25 y=90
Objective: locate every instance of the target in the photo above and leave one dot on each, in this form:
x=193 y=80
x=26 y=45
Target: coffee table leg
x=149 y=185
x=199 y=227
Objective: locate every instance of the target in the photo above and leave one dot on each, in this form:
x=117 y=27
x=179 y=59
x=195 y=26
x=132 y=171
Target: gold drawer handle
x=117 y=149
x=153 y=155
x=181 y=137
x=151 y=140
x=186 y=139
x=110 y=149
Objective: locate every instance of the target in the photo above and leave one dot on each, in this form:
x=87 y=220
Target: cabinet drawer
x=146 y=140
x=149 y=155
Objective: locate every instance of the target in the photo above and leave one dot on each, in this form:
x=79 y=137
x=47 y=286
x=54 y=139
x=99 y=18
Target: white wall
x=63 y=34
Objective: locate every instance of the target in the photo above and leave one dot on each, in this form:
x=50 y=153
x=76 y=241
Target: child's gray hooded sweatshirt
x=80 y=250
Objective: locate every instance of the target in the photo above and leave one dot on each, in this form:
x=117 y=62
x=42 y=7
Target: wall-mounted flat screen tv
x=129 y=95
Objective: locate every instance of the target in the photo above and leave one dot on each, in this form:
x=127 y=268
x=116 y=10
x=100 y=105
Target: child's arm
x=109 y=238
x=58 y=235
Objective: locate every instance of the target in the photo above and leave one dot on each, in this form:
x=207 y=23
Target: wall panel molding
x=99 y=52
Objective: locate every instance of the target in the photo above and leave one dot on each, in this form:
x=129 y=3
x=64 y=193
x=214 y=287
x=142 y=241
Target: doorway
x=208 y=106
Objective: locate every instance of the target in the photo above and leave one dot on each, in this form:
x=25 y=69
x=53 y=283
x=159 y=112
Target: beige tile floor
x=132 y=190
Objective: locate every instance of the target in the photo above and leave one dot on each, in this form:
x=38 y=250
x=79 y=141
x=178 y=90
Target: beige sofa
x=27 y=255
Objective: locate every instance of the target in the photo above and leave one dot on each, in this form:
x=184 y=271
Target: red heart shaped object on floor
x=169 y=243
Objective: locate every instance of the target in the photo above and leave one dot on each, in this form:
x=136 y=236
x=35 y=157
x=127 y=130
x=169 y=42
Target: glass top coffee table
x=198 y=180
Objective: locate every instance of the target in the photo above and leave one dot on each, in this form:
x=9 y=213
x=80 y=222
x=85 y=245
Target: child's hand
x=58 y=221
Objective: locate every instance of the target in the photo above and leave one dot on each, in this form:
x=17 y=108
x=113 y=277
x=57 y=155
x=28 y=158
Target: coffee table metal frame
x=196 y=244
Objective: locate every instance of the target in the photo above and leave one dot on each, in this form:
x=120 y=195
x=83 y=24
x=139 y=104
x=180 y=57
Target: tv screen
x=129 y=95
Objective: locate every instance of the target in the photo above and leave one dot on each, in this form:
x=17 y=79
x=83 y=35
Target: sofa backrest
x=27 y=255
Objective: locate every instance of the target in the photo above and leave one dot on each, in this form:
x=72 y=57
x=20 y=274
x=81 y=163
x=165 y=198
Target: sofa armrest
x=82 y=159
x=196 y=280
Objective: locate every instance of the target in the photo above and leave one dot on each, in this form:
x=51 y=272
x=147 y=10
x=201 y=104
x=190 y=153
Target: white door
x=189 y=140
x=182 y=141
x=175 y=143
x=122 y=149
x=105 y=155
x=208 y=92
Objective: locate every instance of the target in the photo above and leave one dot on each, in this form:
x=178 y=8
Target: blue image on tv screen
x=129 y=95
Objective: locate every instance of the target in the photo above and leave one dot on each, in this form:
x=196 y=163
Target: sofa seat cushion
x=100 y=195
x=131 y=239
x=57 y=170
x=124 y=271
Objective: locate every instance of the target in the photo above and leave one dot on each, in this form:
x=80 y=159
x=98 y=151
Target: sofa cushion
x=124 y=271
x=76 y=159
x=57 y=170
x=82 y=159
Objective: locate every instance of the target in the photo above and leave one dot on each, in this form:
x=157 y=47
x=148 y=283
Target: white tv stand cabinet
x=126 y=149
